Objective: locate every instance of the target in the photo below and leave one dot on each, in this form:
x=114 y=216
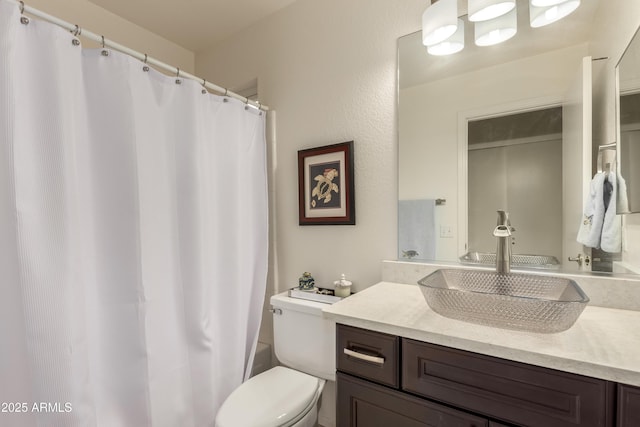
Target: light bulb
x=541 y=16
x=452 y=45
x=483 y=10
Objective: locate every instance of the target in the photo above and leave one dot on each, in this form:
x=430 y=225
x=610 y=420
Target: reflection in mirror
x=515 y=163
x=442 y=99
x=629 y=125
x=630 y=148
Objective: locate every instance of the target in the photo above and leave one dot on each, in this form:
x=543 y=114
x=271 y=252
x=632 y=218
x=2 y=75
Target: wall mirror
x=629 y=121
x=495 y=128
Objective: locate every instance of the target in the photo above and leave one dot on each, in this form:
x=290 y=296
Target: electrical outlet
x=446 y=231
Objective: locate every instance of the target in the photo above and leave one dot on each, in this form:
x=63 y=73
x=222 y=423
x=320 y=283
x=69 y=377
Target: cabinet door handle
x=373 y=359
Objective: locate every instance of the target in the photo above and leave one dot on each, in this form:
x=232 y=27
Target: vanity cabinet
x=445 y=387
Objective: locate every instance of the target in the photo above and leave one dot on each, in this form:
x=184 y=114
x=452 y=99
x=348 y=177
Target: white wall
x=100 y=21
x=329 y=69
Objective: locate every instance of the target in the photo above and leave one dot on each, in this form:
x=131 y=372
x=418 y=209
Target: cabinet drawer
x=628 y=406
x=514 y=392
x=363 y=404
x=368 y=354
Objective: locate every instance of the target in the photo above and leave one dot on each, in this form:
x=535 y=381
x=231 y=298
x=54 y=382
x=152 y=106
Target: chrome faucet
x=503 y=232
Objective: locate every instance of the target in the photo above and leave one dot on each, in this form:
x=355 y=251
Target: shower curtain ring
x=178 y=81
x=145 y=68
x=204 y=86
x=23 y=19
x=105 y=52
x=77 y=31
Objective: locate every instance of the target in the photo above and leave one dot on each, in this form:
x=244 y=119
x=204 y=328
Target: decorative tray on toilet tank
x=525 y=302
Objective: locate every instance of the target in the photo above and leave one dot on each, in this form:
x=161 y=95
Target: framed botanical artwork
x=325 y=185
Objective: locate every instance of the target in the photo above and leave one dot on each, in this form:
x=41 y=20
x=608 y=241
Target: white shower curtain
x=133 y=237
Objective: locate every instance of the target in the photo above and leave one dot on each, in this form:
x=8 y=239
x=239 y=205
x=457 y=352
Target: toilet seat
x=276 y=398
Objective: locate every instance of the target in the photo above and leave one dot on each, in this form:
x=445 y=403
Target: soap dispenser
x=342 y=287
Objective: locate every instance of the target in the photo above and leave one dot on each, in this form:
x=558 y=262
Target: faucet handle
x=502 y=231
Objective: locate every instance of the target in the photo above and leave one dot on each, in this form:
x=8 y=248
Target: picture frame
x=325 y=185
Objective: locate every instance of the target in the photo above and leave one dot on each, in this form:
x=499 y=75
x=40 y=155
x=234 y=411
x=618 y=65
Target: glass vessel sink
x=517 y=260
x=524 y=302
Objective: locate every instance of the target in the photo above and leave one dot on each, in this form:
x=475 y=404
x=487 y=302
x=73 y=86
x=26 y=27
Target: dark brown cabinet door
x=363 y=404
x=628 y=406
x=518 y=393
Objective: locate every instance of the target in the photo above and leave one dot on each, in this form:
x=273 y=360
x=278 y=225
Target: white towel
x=593 y=217
x=416 y=231
x=611 y=238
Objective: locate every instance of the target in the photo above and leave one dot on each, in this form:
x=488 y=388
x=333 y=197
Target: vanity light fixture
x=452 y=45
x=495 y=21
x=483 y=10
x=545 y=12
x=439 y=21
x=496 y=30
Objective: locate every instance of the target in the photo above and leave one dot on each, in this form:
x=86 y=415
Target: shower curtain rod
x=78 y=31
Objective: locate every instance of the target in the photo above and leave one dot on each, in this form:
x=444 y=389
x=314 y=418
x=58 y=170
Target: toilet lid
x=270 y=399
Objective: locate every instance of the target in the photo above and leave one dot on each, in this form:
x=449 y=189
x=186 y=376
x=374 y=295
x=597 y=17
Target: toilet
x=287 y=395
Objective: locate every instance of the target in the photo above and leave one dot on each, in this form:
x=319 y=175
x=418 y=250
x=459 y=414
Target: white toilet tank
x=303 y=339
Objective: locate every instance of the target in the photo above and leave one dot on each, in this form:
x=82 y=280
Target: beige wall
x=100 y=21
x=329 y=69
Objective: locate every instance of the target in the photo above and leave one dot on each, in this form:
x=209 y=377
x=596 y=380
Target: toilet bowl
x=287 y=396
x=277 y=397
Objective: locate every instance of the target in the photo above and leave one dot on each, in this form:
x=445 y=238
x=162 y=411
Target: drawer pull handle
x=373 y=359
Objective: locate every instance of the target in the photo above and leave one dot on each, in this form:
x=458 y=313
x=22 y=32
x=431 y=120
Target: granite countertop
x=604 y=342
